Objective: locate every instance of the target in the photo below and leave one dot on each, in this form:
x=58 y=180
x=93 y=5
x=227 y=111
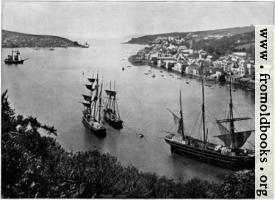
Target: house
x=239 y=54
x=192 y=69
x=215 y=72
x=187 y=52
x=202 y=54
x=209 y=58
x=178 y=67
x=169 y=63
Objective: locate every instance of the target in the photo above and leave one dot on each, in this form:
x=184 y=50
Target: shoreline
x=143 y=62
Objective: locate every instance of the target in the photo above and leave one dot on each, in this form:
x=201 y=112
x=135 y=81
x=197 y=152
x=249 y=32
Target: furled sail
x=180 y=126
x=86 y=97
x=88 y=105
x=110 y=92
x=90 y=87
x=234 y=119
x=91 y=80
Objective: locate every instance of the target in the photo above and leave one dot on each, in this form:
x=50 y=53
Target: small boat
x=153 y=76
x=14 y=58
x=230 y=155
x=111 y=112
x=140 y=135
x=51 y=49
x=92 y=117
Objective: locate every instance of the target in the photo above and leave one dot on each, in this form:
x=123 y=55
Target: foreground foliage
x=35 y=166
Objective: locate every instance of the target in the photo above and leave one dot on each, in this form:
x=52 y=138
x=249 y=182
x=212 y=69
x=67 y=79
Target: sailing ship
x=230 y=155
x=14 y=58
x=111 y=112
x=92 y=117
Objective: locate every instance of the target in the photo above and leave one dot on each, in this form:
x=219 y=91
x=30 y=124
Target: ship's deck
x=211 y=147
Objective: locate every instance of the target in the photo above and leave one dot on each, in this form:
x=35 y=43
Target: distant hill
x=15 y=39
x=200 y=34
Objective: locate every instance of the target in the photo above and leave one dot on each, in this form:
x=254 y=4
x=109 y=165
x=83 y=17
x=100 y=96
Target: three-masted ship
x=111 y=112
x=92 y=113
x=230 y=155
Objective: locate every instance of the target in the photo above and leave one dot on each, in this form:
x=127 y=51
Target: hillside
x=200 y=34
x=15 y=39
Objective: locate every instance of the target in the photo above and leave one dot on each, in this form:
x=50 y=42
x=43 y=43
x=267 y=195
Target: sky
x=84 y=20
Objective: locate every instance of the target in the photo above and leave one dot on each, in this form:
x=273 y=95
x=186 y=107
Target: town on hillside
x=185 y=55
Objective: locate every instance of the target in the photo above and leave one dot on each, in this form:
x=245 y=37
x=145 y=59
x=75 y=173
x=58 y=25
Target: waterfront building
x=240 y=54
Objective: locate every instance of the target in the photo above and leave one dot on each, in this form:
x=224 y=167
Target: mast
x=100 y=100
x=203 y=109
x=110 y=98
x=90 y=110
x=96 y=94
x=231 y=117
x=181 y=118
x=114 y=98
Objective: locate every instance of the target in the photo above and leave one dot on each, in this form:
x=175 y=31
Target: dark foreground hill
x=200 y=34
x=15 y=39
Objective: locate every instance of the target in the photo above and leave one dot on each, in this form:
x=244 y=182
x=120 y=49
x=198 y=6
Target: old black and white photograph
x=134 y=99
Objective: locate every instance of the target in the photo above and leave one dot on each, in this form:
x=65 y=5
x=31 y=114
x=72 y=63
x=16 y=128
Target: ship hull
x=117 y=124
x=100 y=132
x=10 y=62
x=213 y=157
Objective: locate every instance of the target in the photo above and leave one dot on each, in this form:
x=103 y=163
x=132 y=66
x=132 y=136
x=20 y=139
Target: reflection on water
x=50 y=84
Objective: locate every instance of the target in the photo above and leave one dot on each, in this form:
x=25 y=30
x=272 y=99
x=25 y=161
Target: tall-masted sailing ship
x=14 y=58
x=111 y=112
x=92 y=113
x=230 y=155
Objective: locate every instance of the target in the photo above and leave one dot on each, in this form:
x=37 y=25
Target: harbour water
x=49 y=86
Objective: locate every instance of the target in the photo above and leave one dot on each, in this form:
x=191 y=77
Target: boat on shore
x=14 y=58
x=111 y=111
x=229 y=155
x=92 y=117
